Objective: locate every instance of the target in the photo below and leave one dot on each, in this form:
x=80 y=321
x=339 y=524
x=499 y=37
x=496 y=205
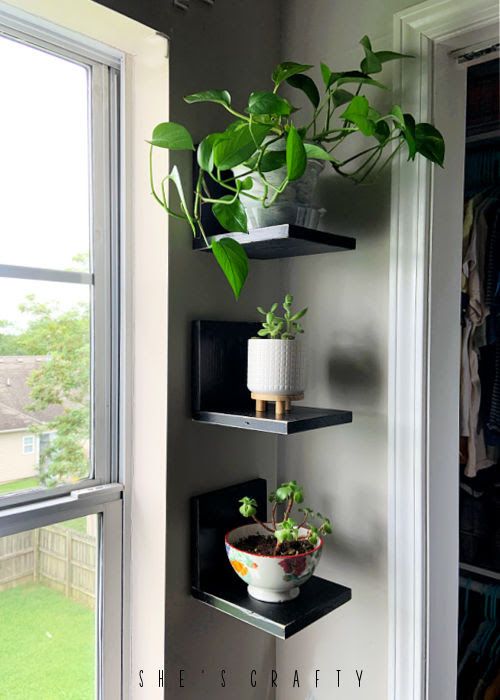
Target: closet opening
x=479 y=453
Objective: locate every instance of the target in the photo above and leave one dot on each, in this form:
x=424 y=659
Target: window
x=61 y=511
x=28 y=445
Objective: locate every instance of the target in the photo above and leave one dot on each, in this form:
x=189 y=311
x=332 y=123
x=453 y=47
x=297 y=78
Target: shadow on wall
x=347 y=204
x=354 y=370
x=364 y=549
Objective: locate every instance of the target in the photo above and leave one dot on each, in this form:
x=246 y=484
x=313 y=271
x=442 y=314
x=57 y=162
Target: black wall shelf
x=215 y=584
x=284 y=241
x=220 y=394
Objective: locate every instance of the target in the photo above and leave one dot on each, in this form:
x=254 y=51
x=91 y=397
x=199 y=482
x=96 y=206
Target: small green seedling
x=284 y=327
x=286 y=529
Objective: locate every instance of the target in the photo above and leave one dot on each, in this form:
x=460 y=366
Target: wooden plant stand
x=283 y=404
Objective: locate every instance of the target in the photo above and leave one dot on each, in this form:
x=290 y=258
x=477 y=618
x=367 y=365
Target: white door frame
x=423 y=387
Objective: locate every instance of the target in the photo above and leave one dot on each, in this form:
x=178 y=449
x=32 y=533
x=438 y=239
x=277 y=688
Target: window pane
x=45 y=388
x=48 y=595
x=44 y=169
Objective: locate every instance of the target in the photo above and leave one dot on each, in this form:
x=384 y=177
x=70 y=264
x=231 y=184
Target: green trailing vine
x=269 y=122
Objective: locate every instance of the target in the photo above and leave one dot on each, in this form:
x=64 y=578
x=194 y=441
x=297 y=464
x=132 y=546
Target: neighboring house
x=19 y=447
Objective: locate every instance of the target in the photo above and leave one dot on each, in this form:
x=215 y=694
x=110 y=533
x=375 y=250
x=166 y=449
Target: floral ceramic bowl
x=271 y=579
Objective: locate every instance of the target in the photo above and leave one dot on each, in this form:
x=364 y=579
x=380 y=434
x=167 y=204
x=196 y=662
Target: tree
x=62 y=380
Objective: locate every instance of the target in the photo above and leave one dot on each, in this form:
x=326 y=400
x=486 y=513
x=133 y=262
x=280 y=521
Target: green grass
x=78 y=524
x=19 y=485
x=47 y=646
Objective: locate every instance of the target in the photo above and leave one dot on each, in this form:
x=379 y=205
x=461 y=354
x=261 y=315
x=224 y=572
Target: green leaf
x=357 y=113
x=397 y=113
x=245 y=184
x=231 y=216
x=239 y=144
x=409 y=135
x=430 y=143
x=296 y=158
x=173 y=136
x=366 y=43
x=287 y=69
x=341 y=97
x=382 y=131
x=384 y=56
x=268 y=103
x=176 y=179
x=282 y=493
x=205 y=155
x=326 y=74
x=272 y=160
x=233 y=261
x=307 y=85
x=356 y=77
x=316 y=152
x=221 y=97
x=371 y=63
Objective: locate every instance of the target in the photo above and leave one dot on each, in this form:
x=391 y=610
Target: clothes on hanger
x=480 y=286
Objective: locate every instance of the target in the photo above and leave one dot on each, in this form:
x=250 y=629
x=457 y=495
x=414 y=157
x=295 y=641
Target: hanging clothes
x=478 y=267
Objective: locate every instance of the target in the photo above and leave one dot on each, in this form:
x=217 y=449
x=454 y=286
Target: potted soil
x=277 y=557
x=276 y=359
x=275 y=152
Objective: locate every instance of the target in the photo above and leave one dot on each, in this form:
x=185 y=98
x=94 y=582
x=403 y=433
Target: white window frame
x=144 y=243
x=101 y=492
x=26 y=439
x=104 y=66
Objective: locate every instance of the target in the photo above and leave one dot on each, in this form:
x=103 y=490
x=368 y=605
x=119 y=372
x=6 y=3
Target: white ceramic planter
x=276 y=366
x=271 y=579
x=294 y=205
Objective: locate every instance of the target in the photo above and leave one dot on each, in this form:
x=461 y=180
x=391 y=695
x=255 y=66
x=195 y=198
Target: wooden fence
x=55 y=556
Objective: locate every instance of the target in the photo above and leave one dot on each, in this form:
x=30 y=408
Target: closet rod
x=488 y=573
x=485 y=51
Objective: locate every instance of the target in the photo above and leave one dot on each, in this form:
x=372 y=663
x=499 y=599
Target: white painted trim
x=420 y=30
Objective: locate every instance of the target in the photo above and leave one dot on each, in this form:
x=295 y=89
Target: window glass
x=45 y=383
x=28 y=444
x=44 y=170
x=48 y=602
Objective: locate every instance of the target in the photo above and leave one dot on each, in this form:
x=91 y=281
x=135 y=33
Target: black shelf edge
x=284 y=241
x=214 y=583
x=300 y=419
x=317 y=598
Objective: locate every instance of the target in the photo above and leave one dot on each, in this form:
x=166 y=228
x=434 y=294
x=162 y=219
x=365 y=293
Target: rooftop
x=15 y=393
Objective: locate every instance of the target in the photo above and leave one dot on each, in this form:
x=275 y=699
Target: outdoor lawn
x=47 y=646
x=19 y=485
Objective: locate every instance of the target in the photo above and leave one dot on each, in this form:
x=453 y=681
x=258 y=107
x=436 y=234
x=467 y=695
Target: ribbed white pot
x=276 y=366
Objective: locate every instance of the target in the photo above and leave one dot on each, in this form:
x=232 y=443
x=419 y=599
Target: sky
x=44 y=172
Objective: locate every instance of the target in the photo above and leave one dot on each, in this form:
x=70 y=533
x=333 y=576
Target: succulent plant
x=284 y=327
x=287 y=495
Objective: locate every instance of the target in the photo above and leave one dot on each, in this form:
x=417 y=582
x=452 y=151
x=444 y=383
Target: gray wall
x=347 y=332
x=234 y=45
x=229 y=45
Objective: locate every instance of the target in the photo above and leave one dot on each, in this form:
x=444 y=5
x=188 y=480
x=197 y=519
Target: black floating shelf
x=300 y=419
x=216 y=584
x=284 y=241
x=220 y=394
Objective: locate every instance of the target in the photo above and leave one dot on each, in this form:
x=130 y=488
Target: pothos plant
x=284 y=327
x=286 y=529
x=338 y=112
